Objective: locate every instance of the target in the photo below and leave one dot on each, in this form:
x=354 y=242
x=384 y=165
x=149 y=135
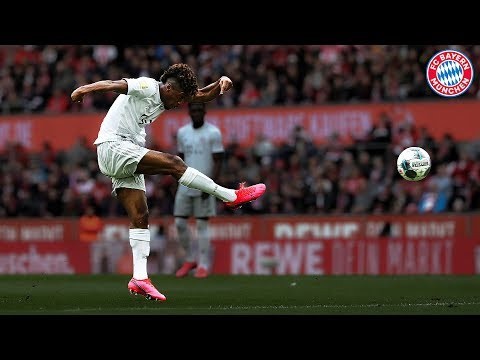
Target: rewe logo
x=449 y=73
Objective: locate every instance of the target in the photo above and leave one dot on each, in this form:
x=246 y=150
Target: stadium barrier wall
x=457 y=117
x=320 y=245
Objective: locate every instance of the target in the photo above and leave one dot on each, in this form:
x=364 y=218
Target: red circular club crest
x=449 y=73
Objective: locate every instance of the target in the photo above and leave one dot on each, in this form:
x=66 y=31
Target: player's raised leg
x=155 y=162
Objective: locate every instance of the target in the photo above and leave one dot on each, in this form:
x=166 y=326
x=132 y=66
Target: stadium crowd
x=301 y=177
x=40 y=78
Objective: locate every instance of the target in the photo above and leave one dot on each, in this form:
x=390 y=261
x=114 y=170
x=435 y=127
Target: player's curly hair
x=185 y=77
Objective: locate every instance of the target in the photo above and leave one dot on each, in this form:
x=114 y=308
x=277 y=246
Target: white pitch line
x=343 y=306
x=280 y=307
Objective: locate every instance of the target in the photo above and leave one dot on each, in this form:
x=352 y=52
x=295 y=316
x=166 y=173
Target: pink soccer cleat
x=145 y=288
x=246 y=194
x=201 y=272
x=185 y=269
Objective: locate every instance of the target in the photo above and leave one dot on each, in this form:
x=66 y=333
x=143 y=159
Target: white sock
x=140 y=243
x=193 y=178
x=203 y=242
x=184 y=238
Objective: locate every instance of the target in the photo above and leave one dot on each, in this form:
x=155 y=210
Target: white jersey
x=198 y=145
x=130 y=113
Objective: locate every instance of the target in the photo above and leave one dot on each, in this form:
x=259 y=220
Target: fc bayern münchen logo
x=449 y=73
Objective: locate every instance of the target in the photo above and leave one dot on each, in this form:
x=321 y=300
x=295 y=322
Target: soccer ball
x=414 y=164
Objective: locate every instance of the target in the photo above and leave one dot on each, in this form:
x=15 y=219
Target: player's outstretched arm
x=210 y=92
x=118 y=86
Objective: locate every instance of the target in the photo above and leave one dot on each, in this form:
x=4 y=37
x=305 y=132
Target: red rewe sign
x=345 y=257
x=429 y=244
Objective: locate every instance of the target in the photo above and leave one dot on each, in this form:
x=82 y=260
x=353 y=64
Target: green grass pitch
x=242 y=295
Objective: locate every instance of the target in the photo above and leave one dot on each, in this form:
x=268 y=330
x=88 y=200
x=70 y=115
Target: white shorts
x=119 y=160
x=194 y=206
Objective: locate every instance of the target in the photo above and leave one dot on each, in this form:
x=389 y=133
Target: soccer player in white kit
x=122 y=156
x=199 y=144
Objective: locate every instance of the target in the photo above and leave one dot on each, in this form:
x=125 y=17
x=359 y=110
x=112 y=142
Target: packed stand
x=40 y=78
x=301 y=177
